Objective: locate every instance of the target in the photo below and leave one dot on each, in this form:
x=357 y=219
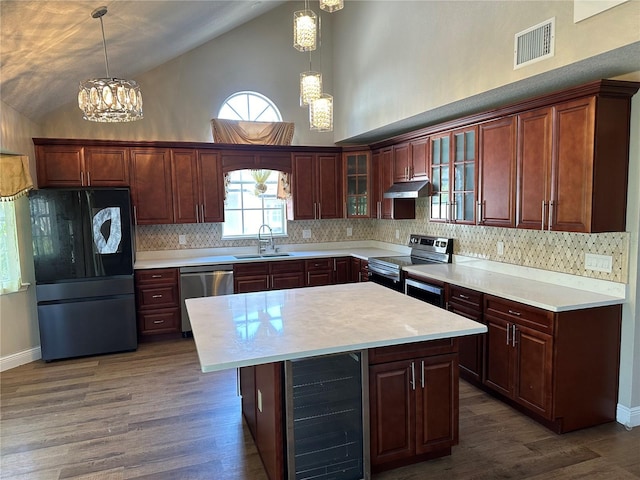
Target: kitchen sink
x=264 y=255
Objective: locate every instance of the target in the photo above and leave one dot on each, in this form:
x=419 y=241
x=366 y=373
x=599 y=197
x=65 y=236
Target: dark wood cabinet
x=359 y=270
x=78 y=166
x=497 y=173
x=411 y=160
x=468 y=303
x=247 y=384
x=151 y=191
x=357 y=184
x=413 y=402
x=560 y=368
x=342 y=270
x=316 y=187
x=158 y=301
x=401 y=162
x=319 y=271
x=261 y=276
x=269 y=435
x=388 y=208
x=198 y=186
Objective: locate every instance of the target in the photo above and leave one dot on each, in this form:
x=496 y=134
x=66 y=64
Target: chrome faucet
x=265 y=244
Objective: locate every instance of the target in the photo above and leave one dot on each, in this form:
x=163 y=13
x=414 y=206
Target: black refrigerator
x=83 y=256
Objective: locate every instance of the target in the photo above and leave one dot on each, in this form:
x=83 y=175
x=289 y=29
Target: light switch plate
x=182 y=239
x=306 y=233
x=500 y=248
x=349 y=231
x=397 y=234
x=598 y=263
x=259 y=400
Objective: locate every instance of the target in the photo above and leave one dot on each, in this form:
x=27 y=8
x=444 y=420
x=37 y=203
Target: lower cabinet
x=413 y=402
x=561 y=368
x=342 y=270
x=468 y=303
x=261 y=276
x=319 y=271
x=359 y=270
x=158 y=301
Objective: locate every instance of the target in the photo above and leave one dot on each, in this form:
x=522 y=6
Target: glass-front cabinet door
x=357 y=183
x=453 y=176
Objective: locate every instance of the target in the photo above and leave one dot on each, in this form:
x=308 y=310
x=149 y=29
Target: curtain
x=252 y=133
x=15 y=180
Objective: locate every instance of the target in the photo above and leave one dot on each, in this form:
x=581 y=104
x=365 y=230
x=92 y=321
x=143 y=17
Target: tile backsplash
x=556 y=251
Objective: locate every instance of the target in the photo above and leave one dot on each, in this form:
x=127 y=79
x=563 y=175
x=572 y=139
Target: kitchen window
x=251 y=107
x=10 y=273
x=252 y=200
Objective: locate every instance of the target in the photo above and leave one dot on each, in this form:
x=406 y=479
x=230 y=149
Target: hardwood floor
x=151 y=414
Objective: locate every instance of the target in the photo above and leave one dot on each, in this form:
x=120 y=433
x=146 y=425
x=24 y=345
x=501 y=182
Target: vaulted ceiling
x=48 y=46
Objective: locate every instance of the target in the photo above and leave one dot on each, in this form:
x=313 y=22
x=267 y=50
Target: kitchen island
x=393 y=332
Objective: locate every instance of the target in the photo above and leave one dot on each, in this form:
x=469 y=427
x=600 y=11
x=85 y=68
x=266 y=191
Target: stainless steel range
x=424 y=250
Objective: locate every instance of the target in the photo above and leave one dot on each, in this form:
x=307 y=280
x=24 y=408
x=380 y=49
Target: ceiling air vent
x=535 y=43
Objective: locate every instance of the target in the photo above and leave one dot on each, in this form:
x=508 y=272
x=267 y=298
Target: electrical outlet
x=306 y=233
x=598 y=263
x=500 y=248
x=397 y=234
x=182 y=239
x=349 y=231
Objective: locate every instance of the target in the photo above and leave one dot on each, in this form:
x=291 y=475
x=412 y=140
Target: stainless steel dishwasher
x=203 y=281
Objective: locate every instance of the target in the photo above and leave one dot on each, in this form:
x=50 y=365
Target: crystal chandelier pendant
x=310 y=87
x=305 y=30
x=321 y=113
x=331 y=5
x=109 y=99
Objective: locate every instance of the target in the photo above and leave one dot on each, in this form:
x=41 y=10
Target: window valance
x=252 y=133
x=15 y=179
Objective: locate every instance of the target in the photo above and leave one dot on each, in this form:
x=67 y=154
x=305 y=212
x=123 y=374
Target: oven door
x=427 y=292
x=386 y=280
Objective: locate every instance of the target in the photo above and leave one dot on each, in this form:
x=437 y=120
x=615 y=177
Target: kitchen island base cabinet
x=413 y=399
x=559 y=368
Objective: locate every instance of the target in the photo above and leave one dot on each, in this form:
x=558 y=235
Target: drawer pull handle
x=465 y=297
x=513 y=312
x=156 y=276
x=157 y=322
x=156 y=296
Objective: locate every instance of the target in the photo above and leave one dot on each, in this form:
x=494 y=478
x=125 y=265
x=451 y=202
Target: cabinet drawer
x=287 y=266
x=536 y=318
x=408 y=351
x=250 y=269
x=156 y=275
x=318 y=264
x=166 y=320
x=158 y=297
x=465 y=297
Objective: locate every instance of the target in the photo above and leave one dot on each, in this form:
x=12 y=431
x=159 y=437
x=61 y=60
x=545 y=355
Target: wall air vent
x=535 y=43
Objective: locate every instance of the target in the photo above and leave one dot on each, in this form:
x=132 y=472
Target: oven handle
x=422 y=286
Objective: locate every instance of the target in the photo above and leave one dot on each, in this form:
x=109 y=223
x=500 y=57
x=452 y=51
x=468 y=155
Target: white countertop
x=549 y=296
x=262 y=327
x=174 y=261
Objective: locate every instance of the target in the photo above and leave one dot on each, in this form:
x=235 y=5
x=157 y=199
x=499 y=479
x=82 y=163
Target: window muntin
x=249 y=106
x=246 y=209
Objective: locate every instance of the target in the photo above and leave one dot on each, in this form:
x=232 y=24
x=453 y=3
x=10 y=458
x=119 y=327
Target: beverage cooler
x=327 y=420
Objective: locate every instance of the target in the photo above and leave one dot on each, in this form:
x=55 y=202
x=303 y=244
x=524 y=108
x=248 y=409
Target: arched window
x=249 y=106
x=248 y=207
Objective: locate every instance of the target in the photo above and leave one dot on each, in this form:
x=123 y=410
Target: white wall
x=182 y=96
x=19 y=335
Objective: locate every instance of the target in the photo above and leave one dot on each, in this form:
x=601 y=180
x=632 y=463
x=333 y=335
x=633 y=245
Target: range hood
x=420 y=188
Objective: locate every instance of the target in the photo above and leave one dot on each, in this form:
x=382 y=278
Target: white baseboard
x=20 y=358
x=629 y=417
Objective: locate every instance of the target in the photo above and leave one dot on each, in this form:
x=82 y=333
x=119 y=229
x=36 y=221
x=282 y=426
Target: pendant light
x=310 y=85
x=109 y=99
x=305 y=29
x=331 y=5
x=321 y=113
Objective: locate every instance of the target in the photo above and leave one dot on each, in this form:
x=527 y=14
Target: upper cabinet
x=151 y=191
x=316 y=187
x=198 y=186
x=454 y=158
x=388 y=208
x=357 y=183
x=410 y=160
x=79 y=166
x=497 y=173
x=573 y=165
